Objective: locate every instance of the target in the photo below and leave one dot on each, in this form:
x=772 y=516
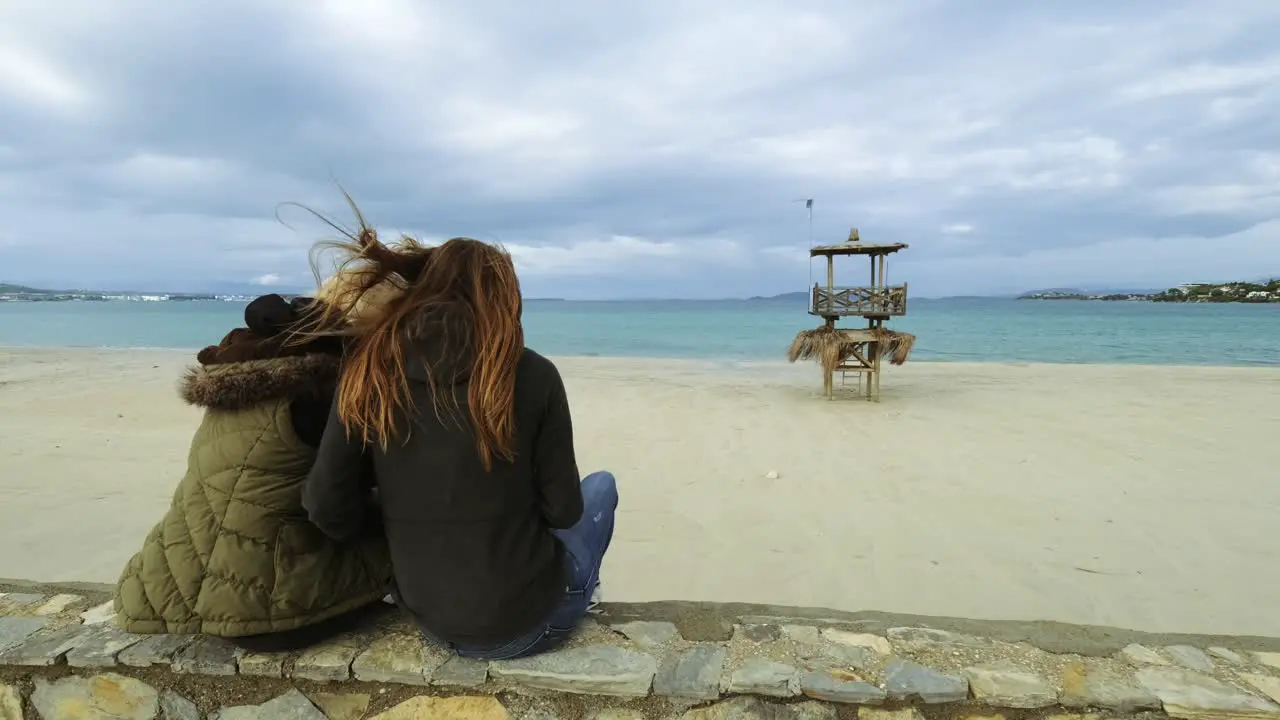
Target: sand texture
x=1140 y=497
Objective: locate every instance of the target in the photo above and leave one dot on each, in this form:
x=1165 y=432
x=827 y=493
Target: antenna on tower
x=808 y=205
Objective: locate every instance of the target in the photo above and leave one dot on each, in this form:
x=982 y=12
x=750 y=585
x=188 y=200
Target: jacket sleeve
x=334 y=494
x=555 y=465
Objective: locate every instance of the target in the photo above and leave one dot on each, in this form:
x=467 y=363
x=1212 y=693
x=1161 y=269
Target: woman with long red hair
x=496 y=542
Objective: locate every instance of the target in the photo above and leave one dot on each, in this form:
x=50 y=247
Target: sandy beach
x=1132 y=496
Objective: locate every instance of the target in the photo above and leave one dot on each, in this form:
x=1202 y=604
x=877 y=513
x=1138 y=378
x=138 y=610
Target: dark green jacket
x=235 y=554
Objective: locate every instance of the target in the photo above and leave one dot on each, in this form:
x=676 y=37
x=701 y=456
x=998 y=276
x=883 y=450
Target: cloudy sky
x=645 y=149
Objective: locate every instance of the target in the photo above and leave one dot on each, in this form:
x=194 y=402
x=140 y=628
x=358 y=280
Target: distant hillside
x=1052 y=291
x=1247 y=292
x=246 y=289
x=1091 y=291
x=784 y=296
x=11 y=288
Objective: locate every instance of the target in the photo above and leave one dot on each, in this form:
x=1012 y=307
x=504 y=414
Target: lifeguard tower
x=855 y=351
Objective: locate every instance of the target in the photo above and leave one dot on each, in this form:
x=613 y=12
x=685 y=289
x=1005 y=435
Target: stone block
x=1188 y=694
x=154 y=650
x=765 y=677
x=1230 y=656
x=840 y=688
x=292 y=705
x=57 y=604
x=19 y=603
x=207 y=656
x=49 y=648
x=1087 y=684
x=342 y=706
x=1270 y=659
x=1006 y=685
x=102 y=696
x=270 y=665
x=1191 y=658
x=450 y=708
x=15 y=630
x=693 y=674
x=647 y=634
x=801 y=634
x=920 y=638
x=175 y=707
x=99 y=614
x=461 y=672
x=398 y=658
x=757 y=633
x=10 y=703
x=905 y=680
x=592 y=670
x=830 y=655
x=102 y=647
x=875 y=643
x=328 y=662
x=1139 y=655
x=1268 y=685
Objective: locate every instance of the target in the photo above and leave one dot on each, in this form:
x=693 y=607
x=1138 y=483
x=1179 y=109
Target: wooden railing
x=881 y=300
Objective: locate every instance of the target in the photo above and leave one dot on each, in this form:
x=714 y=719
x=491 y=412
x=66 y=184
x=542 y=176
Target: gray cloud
x=645 y=151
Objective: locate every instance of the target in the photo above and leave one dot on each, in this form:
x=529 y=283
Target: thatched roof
x=831 y=346
x=857 y=248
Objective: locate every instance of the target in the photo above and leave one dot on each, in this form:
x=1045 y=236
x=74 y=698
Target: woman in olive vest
x=235 y=555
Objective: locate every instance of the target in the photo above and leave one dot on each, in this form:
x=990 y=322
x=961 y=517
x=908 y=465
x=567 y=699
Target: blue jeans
x=585 y=544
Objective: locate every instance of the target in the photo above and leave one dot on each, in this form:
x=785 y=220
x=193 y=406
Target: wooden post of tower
x=884 y=283
x=831 y=281
x=828 y=375
x=873 y=347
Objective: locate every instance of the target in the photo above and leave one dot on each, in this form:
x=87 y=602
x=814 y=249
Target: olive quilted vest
x=235 y=554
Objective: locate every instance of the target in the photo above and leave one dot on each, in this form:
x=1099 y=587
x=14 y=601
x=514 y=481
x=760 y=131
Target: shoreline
x=719 y=361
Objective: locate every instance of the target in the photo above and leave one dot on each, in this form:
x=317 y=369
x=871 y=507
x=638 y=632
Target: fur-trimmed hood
x=262 y=362
x=242 y=385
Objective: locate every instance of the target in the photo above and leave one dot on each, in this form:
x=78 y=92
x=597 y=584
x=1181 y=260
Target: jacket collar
x=242 y=385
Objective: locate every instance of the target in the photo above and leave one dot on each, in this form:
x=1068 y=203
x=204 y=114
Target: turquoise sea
x=964 y=329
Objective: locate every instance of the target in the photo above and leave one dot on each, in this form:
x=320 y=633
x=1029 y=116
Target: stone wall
x=62 y=659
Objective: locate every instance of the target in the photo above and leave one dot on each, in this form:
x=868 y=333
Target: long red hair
x=472 y=281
